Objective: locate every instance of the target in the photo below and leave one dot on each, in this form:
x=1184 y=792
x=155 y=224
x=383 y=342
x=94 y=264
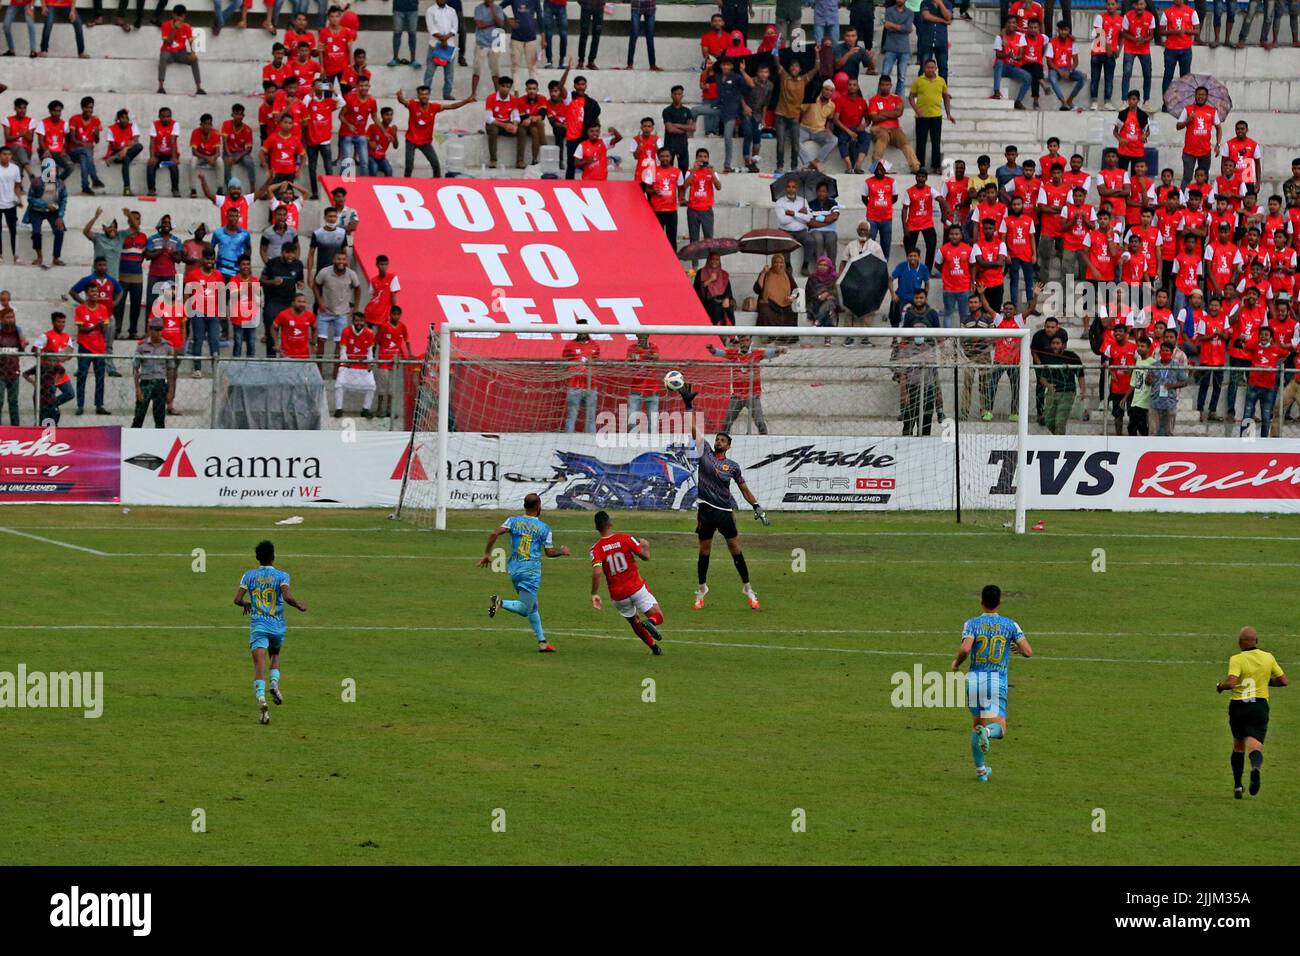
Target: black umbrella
x=702 y=248
x=808 y=180
x=767 y=242
x=865 y=284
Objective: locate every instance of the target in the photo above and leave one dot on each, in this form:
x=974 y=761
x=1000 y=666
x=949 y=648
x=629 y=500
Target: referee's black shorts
x=710 y=521
x=1248 y=718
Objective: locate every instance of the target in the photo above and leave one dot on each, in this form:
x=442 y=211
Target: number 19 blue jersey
x=993 y=635
x=267 y=611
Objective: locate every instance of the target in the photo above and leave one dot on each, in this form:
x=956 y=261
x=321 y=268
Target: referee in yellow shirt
x=1250 y=674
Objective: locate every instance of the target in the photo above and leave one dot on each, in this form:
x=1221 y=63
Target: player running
x=993 y=636
x=716 y=508
x=530 y=538
x=263 y=593
x=1250 y=674
x=615 y=554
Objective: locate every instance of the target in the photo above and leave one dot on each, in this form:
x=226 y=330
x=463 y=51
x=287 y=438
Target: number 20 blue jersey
x=993 y=635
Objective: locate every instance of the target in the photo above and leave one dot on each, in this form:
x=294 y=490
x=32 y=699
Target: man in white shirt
x=11 y=197
x=443 y=24
x=792 y=216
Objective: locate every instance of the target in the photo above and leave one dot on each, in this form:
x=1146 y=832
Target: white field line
x=670 y=640
x=61 y=544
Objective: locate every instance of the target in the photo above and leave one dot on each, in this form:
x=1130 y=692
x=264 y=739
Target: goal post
x=822 y=419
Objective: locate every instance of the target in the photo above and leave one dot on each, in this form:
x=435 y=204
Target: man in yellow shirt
x=1250 y=674
x=931 y=102
x=816 y=139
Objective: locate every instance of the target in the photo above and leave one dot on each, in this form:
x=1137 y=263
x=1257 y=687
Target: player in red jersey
x=615 y=555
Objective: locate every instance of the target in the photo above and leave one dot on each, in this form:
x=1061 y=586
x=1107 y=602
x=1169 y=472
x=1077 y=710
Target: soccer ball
x=674 y=380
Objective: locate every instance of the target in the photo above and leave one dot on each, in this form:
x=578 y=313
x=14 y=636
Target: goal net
x=843 y=419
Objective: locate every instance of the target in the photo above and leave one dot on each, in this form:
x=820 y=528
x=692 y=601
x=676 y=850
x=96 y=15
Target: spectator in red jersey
x=645 y=386
x=746 y=377
x=356 y=373
x=700 y=185
x=532 y=118
x=205 y=151
x=20 y=134
x=850 y=124
x=502 y=119
x=384 y=286
x=52 y=7
x=164 y=152
x=582 y=354
x=83 y=135
x=205 y=303
x=1201 y=121
x=353 y=72
x=1179 y=29
x=178 y=47
x=52 y=139
x=54 y=387
x=421 y=114
x=92 y=321
x=244 y=296
x=335 y=44
x=381 y=137
x=662 y=184
x=282 y=154
x=1120 y=357
x=124 y=146
x=237 y=148
x=592 y=155
x=393 y=342
x=296 y=327
x=319 y=129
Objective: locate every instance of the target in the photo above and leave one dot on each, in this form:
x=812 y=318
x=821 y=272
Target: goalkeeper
x=716 y=508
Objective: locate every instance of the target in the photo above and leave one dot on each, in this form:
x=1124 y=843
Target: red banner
x=1256 y=476
x=536 y=251
x=60 y=464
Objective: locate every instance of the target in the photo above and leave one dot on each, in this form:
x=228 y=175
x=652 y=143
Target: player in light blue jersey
x=263 y=593
x=988 y=641
x=530 y=539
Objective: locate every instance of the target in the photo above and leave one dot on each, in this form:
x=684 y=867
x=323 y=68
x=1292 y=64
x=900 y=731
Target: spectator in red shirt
x=850 y=125
x=382 y=137
x=646 y=385
x=296 y=326
x=178 y=47
x=421 y=114
x=532 y=119
x=205 y=150
x=393 y=342
x=51 y=8
x=582 y=353
x=52 y=139
x=83 y=135
x=92 y=319
x=237 y=147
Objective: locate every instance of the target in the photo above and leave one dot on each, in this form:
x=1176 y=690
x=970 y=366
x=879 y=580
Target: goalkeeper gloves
x=688 y=395
x=760 y=515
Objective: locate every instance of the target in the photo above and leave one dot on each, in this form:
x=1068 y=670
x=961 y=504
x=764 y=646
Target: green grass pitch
x=756 y=714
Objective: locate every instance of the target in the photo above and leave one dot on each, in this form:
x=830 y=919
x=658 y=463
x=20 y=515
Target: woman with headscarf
x=713 y=286
x=46 y=208
x=775 y=290
x=822 y=295
x=771 y=42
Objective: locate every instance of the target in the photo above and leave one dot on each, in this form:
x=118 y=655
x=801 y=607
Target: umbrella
x=808 y=180
x=767 y=242
x=1182 y=92
x=864 y=285
x=702 y=248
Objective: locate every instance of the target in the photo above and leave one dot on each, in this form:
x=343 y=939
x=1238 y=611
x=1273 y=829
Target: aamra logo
x=177 y=464
x=412 y=454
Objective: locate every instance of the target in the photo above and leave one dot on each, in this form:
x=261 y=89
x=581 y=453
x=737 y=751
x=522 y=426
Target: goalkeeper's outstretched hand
x=760 y=515
x=688 y=395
